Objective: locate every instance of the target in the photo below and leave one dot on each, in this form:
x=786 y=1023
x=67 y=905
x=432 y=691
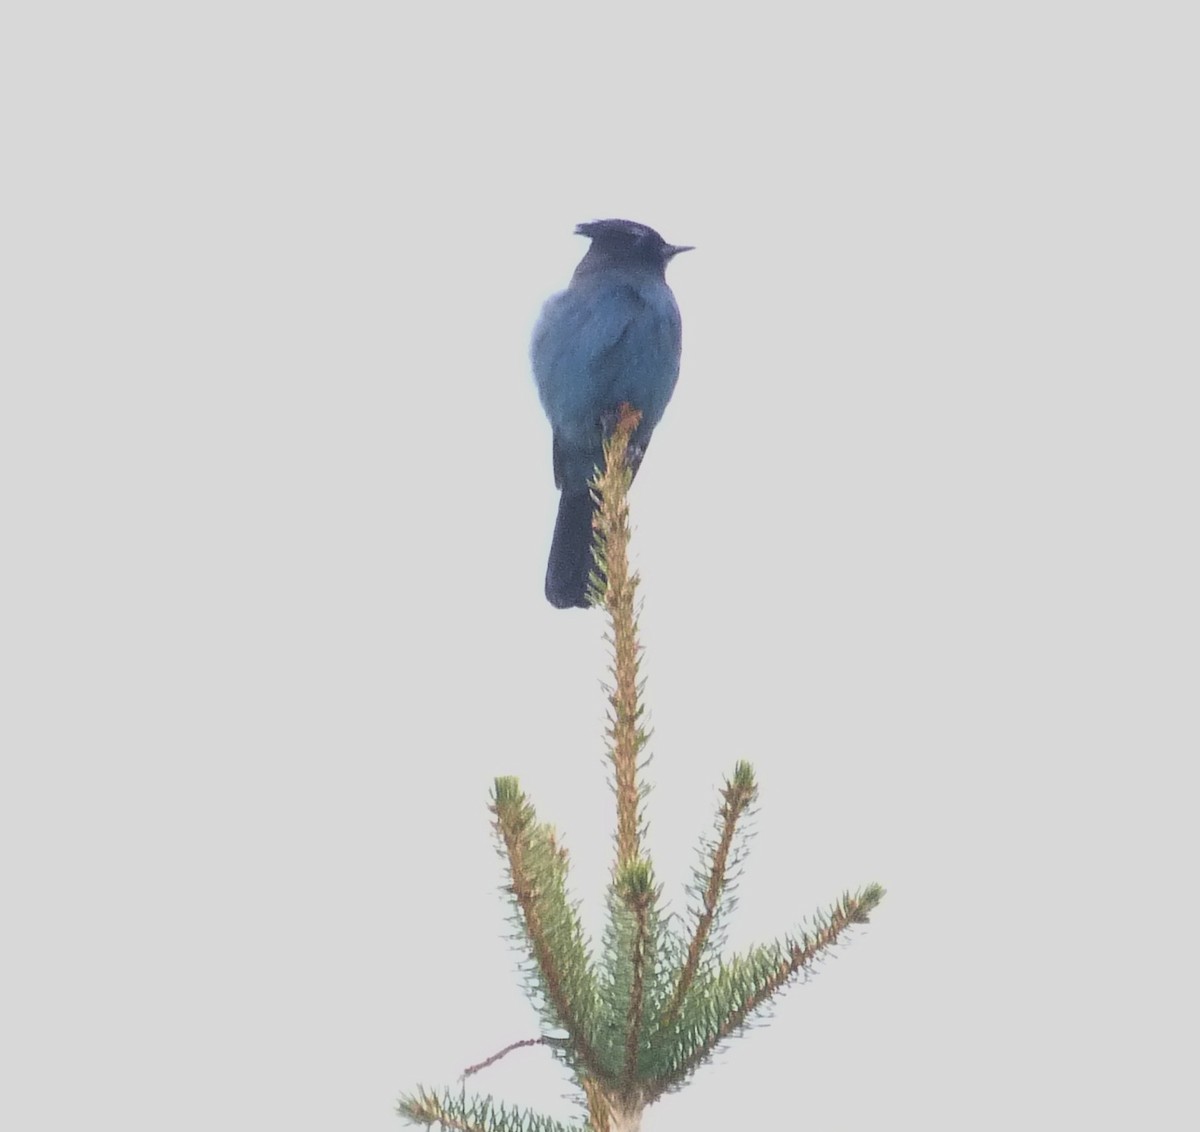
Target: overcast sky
x=917 y=537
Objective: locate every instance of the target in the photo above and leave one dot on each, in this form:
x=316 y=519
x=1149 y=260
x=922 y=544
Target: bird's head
x=629 y=243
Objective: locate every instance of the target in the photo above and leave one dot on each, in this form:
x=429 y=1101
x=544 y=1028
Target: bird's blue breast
x=607 y=339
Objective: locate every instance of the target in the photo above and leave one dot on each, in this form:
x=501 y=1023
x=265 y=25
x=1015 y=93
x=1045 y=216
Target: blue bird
x=612 y=337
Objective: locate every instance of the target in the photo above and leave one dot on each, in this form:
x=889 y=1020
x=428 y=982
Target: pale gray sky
x=917 y=537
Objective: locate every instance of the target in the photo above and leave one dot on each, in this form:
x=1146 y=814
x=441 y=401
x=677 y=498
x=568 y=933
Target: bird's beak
x=674 y=249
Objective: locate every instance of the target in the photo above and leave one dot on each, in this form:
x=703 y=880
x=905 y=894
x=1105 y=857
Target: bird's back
x=610 y=337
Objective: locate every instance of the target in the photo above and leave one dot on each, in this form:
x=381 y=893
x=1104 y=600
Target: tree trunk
x=612 y=1114
x=629 y=1121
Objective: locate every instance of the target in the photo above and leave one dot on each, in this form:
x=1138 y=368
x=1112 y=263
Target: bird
x=612 y=338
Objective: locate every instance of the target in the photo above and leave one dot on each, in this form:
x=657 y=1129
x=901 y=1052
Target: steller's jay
x=612 y=337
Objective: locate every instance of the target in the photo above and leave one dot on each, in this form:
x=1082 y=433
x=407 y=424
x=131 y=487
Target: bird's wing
x=577 y=346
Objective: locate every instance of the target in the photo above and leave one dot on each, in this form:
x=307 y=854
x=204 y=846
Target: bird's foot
x=624 y=416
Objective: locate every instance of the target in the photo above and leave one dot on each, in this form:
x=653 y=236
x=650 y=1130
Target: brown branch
x=736 y=798
x=526 y=897
x=801 y=954
x=640 y=904
x=429 y=1110
x=471 y=1070
x=620 y=589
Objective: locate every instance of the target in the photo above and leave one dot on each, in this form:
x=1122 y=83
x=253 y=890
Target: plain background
x=917 y=537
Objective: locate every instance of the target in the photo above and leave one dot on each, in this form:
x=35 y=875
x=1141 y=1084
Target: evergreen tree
x=660 y=998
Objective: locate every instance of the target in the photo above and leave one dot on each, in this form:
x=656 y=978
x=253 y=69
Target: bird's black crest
x=628 y=232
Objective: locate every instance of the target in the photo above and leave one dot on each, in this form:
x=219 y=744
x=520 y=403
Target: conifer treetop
x=634 y=1018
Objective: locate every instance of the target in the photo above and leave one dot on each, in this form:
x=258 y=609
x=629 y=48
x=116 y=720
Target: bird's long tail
x=571 y=552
